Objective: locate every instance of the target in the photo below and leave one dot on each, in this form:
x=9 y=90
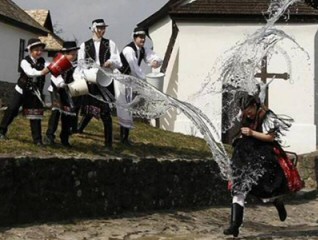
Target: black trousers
x=108 y=128
x=36 y=130
x=66 y=123
x=107 y=123
x=12 y=111
x=77 y=103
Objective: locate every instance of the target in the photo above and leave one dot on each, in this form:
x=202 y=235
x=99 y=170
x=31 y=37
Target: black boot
x=36 y=131
x=280 y=209
x=108 y=131
x=236 y=220
x=52 y=127
x=84 y=122
x=66 y=121
x=124 y=134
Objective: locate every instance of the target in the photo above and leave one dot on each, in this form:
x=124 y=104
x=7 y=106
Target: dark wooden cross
x=264 y=75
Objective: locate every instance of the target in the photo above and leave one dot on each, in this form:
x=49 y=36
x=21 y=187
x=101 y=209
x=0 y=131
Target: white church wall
x=295 y=97
x=200 y=45
x=160 y=34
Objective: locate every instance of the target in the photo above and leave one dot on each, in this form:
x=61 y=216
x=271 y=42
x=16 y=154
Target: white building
x=193 y=35
x=16 y=27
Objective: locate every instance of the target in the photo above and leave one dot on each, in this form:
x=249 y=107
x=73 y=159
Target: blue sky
x=74 y=17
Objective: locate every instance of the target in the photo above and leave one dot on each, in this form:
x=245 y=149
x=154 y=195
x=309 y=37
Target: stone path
x=261 y=222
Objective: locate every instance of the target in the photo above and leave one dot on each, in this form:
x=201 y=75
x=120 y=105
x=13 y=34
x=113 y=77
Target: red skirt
x=291 y=173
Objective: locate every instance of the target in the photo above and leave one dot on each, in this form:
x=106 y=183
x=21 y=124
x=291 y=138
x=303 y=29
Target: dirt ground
x=260 y=222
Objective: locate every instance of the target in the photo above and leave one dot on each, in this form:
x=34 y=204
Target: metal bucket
x=59 y=65
x=156 y=80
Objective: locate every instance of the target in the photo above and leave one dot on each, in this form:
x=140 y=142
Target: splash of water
x=238 y=68
x=151 y=103
x=240 y=63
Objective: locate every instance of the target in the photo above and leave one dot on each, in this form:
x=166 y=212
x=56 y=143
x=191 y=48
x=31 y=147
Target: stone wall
x=308 y=169
x=51 y=189
x=59 y=189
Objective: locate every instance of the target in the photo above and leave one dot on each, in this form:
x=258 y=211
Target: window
x=21 y=52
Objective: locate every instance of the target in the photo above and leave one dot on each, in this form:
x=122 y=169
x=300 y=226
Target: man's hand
x=63 y=85
x=45 y=71
x=155 y=64
x=108 y=64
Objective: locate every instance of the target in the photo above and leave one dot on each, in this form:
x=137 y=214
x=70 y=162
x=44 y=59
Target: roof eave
x=240 y=17
x=24 y=26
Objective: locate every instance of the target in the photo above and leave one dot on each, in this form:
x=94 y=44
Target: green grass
x=148 y=142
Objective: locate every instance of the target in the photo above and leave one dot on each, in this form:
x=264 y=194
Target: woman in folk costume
x=62 y=102
x=131 y=56
x=255 y=163
x=105 y=53
x=28 y=91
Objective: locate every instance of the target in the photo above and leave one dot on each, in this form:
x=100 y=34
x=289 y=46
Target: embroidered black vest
x=27 y=83
x=104 y=50
x=125 y=67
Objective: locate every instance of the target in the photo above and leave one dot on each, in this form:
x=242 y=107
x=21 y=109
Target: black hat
x=69 y=46
x=34 y=42
x=99 y=23
x=139 y=31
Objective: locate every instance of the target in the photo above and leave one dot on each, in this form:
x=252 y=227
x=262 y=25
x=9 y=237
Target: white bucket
x=78 y=87
x=90 y=75
x=156 y=80
x=102 y=79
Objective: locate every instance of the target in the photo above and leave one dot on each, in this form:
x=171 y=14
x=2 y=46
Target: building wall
x=199 y=48
x=9 y=48
x=296 y=97
x=160 y=34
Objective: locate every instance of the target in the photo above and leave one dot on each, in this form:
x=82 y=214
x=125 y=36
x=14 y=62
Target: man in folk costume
x=131 y=56
x=28 y=91
x=62 y=102
x=105 y=53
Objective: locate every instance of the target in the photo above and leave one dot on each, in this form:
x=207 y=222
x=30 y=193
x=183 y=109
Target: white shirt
x=58 y=82
x=114 y=53
x=132 y=60
x=29 y=71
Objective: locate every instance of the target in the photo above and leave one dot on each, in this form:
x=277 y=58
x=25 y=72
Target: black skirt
x=256 y=170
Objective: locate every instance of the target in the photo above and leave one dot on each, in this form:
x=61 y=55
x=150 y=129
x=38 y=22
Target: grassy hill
x=148 y=142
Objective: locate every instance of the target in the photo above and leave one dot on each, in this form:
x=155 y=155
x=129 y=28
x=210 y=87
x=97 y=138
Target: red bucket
x=59 y=65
